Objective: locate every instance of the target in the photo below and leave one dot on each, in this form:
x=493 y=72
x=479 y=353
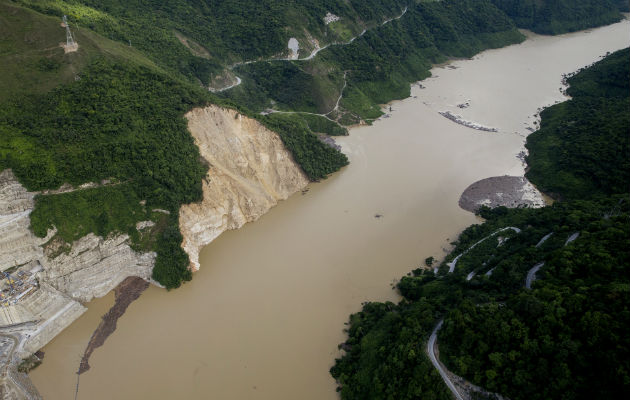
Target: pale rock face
x=294 y=48
x=250 y=171
x=94 y=266
x=144 y=224
x=14 y=198
x=18 y=245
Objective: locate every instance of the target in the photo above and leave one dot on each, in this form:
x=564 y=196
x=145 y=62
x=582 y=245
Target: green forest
x=552 y=17
x=566 y=337
x=119 y=123
x=201 y=40
x=112 y=112
x=378 y=66
x=583 y=145
x=117 y=118
x=224 y=31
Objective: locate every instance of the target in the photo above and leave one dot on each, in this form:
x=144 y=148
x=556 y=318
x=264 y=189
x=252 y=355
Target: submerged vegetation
x=563 y=338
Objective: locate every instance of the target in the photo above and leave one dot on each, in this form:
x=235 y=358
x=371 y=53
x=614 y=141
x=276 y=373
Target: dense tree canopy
x=583 y=146
x=566 y=337
x=118 y=119
x=114 y=109
x=560 y=16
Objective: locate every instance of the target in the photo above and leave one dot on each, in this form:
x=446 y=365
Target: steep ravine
x=250 y=171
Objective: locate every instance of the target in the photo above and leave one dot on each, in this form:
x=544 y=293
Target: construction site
x=14 y=288
x=42 y=292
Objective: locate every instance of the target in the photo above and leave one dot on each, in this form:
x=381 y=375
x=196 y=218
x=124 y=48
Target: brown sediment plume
x=125 y=293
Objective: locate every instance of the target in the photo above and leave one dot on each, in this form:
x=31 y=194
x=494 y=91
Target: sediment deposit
x=508 y=191
x=250 y=171
x=126 y=293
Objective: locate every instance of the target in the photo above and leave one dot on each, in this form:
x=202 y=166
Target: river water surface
x=263 y=317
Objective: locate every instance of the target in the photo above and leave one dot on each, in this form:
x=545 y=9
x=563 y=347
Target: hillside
x=173 y=121
x=107 y=113
x=377 y=47
x=552 y=17
x=377 y=66
x=113 y=111
x=536 y=304
x=583 y=146
x=197 y=38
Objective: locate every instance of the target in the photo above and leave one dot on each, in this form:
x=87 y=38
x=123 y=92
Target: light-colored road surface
x=531 y=275
x=345 y=83
x=452 y=264
x=436 y=363
x=310 y=56
x=544 y=239
x=238 y=82
x=572 y=238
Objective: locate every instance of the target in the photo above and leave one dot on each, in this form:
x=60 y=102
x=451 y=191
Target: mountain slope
x=553 y=17
x=536 y=314
x=112 y=111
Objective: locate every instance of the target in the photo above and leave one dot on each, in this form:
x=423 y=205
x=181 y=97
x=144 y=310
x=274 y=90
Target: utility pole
x=69 y=39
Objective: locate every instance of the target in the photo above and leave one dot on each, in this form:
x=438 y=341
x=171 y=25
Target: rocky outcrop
x=250 y=171
x=14 y=198
x=18 y=245
x=50 y=279
x=94 y=266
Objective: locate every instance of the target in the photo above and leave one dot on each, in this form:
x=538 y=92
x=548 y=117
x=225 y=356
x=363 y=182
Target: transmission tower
x=69 y=39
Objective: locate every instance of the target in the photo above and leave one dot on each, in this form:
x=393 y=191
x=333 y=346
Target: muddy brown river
x=263 y=317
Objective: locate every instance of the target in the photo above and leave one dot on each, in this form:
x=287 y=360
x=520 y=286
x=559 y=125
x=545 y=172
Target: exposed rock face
x=18 y=245
x=14 y=198
x=94 y=266
x=250 y=171
x=52 y=311
x=54 y=281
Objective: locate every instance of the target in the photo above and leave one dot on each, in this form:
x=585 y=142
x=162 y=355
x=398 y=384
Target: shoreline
x=412 y=96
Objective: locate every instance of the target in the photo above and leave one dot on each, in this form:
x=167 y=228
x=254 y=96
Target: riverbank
x=511 y=307
x=267 y=298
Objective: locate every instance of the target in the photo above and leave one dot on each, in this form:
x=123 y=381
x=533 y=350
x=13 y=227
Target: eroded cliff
x=48 y=281
x=250 y=171
x=94 y=266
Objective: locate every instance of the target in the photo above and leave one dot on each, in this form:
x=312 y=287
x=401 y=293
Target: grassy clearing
x=32 y=60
